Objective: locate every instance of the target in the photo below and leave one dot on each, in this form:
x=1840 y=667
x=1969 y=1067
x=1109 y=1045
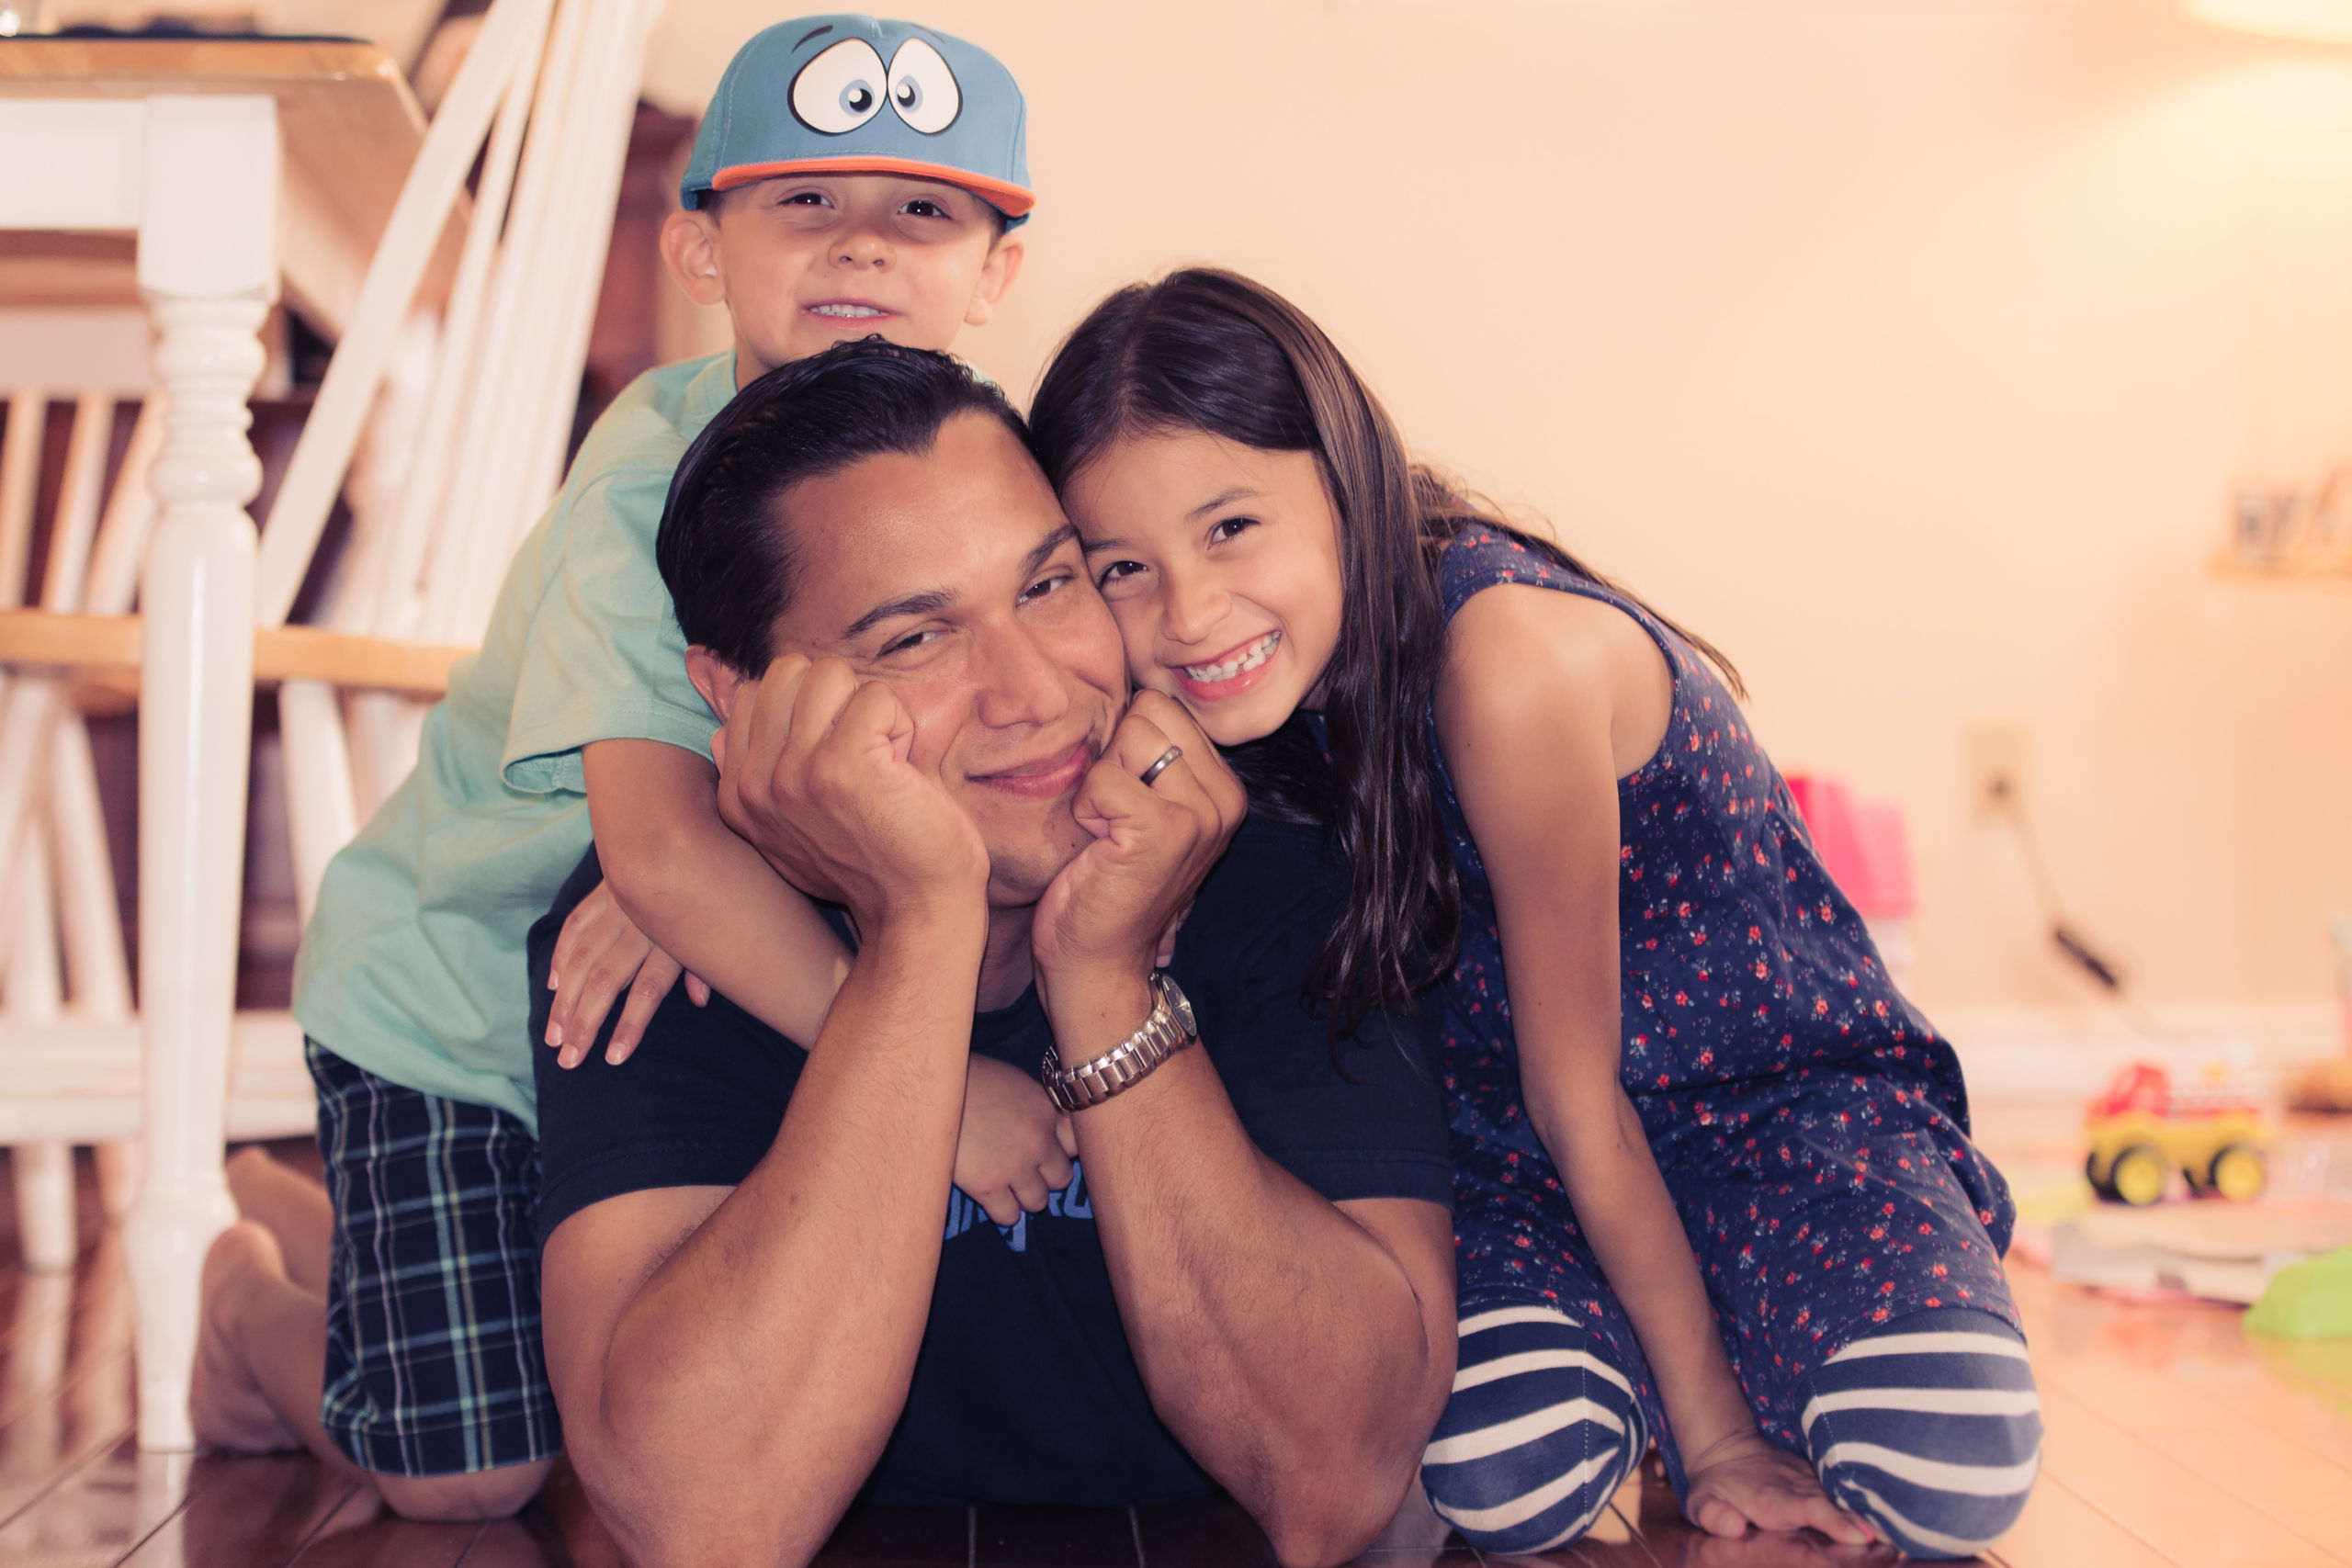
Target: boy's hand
x=1014 y=1148
x=599 y=951
x=1743 y=1481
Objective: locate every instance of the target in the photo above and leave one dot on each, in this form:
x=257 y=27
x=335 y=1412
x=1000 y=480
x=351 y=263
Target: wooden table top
x=349 y=125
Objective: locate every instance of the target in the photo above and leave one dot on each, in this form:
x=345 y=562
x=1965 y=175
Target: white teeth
x=851 y=311
x=1257 y=653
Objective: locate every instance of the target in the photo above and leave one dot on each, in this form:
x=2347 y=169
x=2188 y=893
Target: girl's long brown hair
x=1208 y=350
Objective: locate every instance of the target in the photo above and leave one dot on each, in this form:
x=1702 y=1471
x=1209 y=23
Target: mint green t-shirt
x=414 y=966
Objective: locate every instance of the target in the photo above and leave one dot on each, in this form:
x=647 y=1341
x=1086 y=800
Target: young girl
x=1715 y=1186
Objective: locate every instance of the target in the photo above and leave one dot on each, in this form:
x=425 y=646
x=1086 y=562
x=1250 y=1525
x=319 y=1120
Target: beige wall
x=1909 y=349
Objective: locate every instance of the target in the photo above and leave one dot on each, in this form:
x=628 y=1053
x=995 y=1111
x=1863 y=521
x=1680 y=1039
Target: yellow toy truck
x=2145 y=1127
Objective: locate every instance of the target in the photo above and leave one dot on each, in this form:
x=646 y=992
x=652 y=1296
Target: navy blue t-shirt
x=1024 y=1389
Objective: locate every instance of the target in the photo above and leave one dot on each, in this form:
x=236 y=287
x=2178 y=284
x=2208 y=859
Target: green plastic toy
x=2310 y=1300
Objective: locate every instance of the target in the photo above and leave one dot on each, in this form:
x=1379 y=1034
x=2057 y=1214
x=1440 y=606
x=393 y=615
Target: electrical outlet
x=1996 y=768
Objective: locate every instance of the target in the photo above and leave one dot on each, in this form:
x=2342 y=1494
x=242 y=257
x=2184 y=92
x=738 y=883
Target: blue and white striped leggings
x=1929 y=1428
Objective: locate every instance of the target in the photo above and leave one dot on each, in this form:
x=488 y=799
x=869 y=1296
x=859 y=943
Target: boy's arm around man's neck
x=701 y=894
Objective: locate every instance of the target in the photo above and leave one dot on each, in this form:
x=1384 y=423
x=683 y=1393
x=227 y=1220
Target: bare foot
x=225 y=1400
x=294 y=1206
x=248 y=1169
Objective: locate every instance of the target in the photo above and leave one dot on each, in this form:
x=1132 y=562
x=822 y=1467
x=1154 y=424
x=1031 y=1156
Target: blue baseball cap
x=854 y=95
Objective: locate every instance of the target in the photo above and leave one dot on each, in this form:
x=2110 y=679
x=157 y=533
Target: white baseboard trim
x=2039 y=1053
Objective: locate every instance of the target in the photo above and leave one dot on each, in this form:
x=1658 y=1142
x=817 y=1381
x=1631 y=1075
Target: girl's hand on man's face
x=1113 y=909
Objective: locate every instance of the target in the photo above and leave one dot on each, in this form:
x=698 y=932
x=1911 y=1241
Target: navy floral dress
x=1810 y=1125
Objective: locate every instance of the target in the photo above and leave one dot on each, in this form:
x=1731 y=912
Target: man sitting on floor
x=753 y=1316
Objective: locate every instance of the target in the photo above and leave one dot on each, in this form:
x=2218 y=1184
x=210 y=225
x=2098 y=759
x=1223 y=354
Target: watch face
x=1178 y=1004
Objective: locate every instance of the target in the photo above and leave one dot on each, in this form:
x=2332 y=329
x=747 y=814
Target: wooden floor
x=2172 y=1440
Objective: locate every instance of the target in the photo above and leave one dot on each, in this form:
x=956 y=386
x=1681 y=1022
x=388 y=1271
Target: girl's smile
x=1221 y=562
x=1229 y=677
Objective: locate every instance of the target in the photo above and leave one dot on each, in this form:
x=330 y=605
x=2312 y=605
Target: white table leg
x=207 y=267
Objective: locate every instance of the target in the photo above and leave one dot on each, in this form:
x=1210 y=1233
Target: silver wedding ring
x=1160 y=764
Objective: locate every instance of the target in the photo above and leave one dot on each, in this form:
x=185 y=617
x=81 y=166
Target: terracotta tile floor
x=2172 y=1440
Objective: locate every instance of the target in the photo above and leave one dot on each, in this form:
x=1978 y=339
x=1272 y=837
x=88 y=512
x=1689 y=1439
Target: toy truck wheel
x=2238 y=1173
x=2137 y=1177
x=2098 y=1183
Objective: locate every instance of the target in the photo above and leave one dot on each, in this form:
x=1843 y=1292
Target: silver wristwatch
x=1167 y=1031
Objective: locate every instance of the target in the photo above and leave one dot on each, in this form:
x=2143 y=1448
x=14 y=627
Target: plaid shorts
x=434 y=1359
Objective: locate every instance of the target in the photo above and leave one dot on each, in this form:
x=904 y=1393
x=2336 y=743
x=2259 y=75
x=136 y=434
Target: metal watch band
x=1168 y=1029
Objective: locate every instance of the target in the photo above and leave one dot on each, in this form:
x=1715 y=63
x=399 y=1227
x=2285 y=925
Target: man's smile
x=1046 y=778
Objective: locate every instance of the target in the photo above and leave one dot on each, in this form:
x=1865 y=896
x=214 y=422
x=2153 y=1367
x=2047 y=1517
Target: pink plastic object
x=1862 y=846
x=1886 y=851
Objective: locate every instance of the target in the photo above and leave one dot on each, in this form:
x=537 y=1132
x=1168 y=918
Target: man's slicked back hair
x=723 y=548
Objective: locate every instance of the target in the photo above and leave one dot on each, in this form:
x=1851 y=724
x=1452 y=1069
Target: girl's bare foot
x=225 y=1400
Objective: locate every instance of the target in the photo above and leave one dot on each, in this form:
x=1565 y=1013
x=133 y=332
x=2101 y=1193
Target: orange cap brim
x=1010 y=199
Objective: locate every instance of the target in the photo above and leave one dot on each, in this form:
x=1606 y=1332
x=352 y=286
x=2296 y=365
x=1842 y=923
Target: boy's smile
x=803 y=262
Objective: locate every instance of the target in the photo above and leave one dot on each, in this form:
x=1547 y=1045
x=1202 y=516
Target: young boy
x=851 y=177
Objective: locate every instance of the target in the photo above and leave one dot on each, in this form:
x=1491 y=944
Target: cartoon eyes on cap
x=923 y=89
x=845 y=85
x=842 y=88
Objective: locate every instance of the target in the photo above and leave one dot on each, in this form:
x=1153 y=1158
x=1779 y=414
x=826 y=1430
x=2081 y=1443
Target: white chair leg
x=319 y=800
x=102 y=1315
x=29 y=711
x=207 y=269
x=120 y=1168
x=158 y=1505
x=479 y=490
x=44 y=1172
x=610 y=107
x=44 y=1175
x=40 y=1336
x=400 y=606
x=98 y=973
x=315 y=473
x=130 y=514
x=386 y=731
x=19 y=478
